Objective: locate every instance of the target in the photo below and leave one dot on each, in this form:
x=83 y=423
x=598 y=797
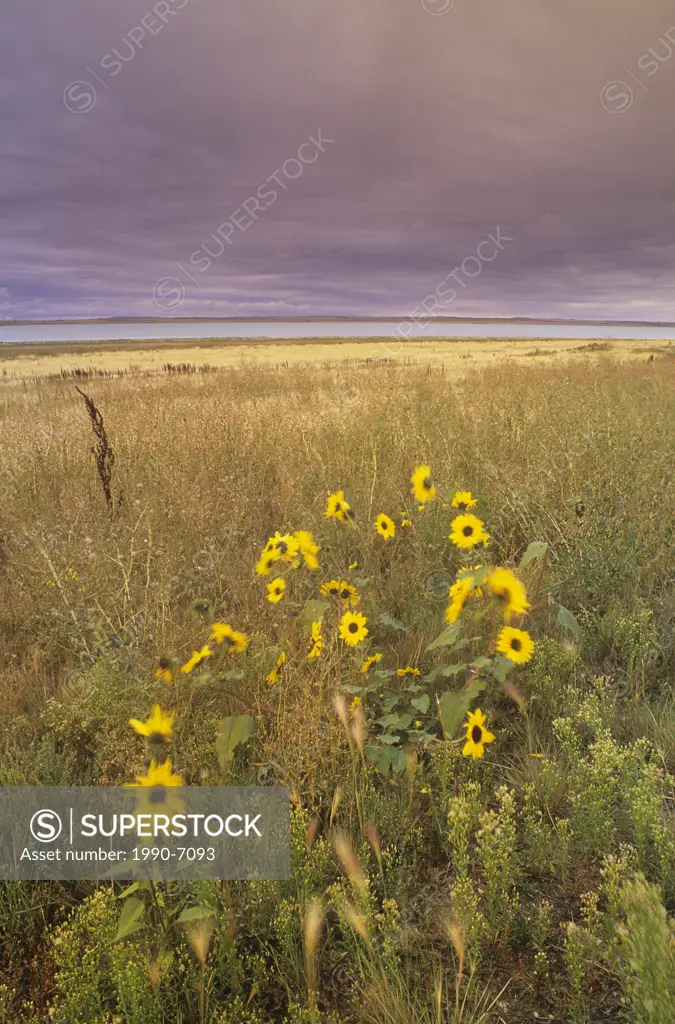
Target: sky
x=467 y=157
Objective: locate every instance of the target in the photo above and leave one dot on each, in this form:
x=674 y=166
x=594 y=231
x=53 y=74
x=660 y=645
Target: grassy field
x=28 y=360
x=427 y=886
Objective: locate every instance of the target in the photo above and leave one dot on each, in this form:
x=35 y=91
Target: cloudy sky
x=133 y=132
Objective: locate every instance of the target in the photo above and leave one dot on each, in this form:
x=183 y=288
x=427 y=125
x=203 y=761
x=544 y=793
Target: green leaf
x=389 y=738
x=501 y=669
x=194 y=914
x=403 y=721
x=475 y=687
x=448 y=637
x=452 y=708
x=230 y=732
x=387 y=721
x=567 y=621
x=481 y=662
x=130 y=918
x=444 y=670
x=386 y=620
x=313 y=611
x=537 y=549
x=355 y=689
x=132 y=888
x=421 y=703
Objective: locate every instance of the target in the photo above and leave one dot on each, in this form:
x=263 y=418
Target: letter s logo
x=46 y=826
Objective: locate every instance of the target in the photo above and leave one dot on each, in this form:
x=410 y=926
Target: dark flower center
x=476 y=734
x=277 y=590
x=426 y=483
x=516 y=644
x=353 y=627
x=504 y=595
x=462 y=506
x=338 y=506
x=282 y=546
x=156 y=737
x=157 y=794
x=344 y=594
x=467 y=531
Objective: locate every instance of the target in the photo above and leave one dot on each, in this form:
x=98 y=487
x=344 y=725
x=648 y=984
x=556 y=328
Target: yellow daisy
x=467 y=531
x=515 y=644
x=286 y=546
x=371 y=660
x=266 y=561
x=458 y=593
x=422 y=489
x=463 y=500
x=465 y=571
x=197 y=658
x=222 y=632
x=385 y=526
x=157 y=728
x=158 y=775
x=164 y=671
x=405 y=522
x=353 y=628
x=408 y=671
x=476 y=735
x=317 y=641
x=276 y=589
x=330 y=589
x=356 y=703
x=273 y=677
x=348 y=594
x=338 y=507
x=308 y=548
x=509 y=591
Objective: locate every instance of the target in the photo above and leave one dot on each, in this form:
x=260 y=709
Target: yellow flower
x=464 y=571
x=385 y=526
x=157 y=728
x=409 y=671
x=467 y=531
x=371 y=660
x=405 y=522
x=458 y=594
x=308 y=548
x=164 y=671
x=286 y=546
x=417 y=723
x=353 y=628
x=221 y=632
x=463 y=500
x=338 y=507
x=353 y=565
x=348 y=594
x=476 y=735
x=158 y=775
x=275 y=590
x=422 y=489
x=266 y=561
x=356 y=703
x=197 y=658
x=317 y=641
x=509 y=591
x=273 y=677
x=515 y=644
x=330 y=589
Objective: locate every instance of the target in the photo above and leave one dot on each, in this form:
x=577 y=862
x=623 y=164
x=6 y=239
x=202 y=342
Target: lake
x=172 y=329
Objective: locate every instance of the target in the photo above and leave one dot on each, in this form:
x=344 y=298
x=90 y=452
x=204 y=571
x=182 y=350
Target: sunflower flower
x=273 y=677
x=509 y=592
x=348 y=594
x=158 y=775
x=266 y=561
x=285 y=545
x=385 y=526
x=330 y=589
x=197 y=658
x=164 y=671
x=422 y=489
x=467 y=531
x=157 y=728
x=458 y=593
x=407 y=671
x=276 y=589
x=338 y=507
x=317 y=641
x=464 y=571
x=353 y=628
x=476 y=735
x=222 y=632
x=463 y=500
x=308 y=548
x=515 y=644
x=371 y=660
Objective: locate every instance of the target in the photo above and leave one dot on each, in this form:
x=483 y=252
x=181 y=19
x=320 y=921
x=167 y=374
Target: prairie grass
x=522 y=883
